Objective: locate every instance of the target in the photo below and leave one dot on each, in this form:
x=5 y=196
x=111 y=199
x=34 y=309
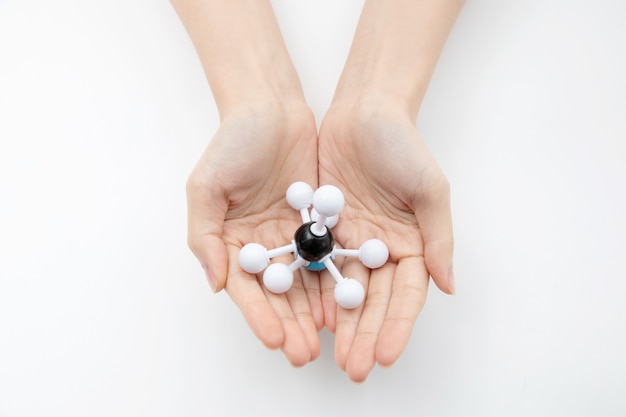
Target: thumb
x=432 y=211
x=206 y=211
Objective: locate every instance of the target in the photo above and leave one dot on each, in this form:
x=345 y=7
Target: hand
x=394 y=191
x=236 y=195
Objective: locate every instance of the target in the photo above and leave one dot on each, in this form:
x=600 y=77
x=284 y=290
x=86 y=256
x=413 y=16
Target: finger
x=408 y=295
x=327 y=284
x=245 y=291
x=432 y=211
x=295 y=345
x=206 y=211
x=312 y=288
x=348 y=319
x=362 y=355
x=299 y=302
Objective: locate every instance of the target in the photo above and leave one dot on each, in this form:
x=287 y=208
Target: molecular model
x=313 y=246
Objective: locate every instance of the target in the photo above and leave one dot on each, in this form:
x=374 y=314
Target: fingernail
x=210 y=278
x=451 y=281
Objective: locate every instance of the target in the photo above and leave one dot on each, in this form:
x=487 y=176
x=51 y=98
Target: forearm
x=395 y=50
x=241 y=50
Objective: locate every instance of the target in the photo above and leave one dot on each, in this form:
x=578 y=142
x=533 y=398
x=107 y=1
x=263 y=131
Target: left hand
x=394 y=191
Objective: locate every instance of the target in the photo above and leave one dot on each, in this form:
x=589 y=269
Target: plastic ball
x=328 y=200
x=253 y=258
x=373 y=253
x=278 y=278
x=299 y=195
x=349 y=293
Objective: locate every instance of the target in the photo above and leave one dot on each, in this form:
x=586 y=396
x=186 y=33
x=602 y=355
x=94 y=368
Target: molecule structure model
x=313 y=246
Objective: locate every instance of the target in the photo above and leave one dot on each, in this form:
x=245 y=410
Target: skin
x=394 y=190
x=367 y=145
x=229 y=206
x=236 y=193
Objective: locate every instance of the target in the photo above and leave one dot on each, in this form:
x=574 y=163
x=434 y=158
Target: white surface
x=104 y=311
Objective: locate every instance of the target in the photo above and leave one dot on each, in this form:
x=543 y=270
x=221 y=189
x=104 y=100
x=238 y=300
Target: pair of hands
x=394 y=191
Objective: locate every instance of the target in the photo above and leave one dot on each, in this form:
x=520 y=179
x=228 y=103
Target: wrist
x=367 y=107
x=252 y=76
x=269 y=108
x=241 y=51
x=373 y=83
x=368 y=102
x=395 y=50
x=259 y=100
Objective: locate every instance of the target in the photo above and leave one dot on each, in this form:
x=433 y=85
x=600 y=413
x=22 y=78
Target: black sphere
x=310 y=246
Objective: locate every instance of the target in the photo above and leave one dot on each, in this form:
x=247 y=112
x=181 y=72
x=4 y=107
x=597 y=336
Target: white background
x=104 y=110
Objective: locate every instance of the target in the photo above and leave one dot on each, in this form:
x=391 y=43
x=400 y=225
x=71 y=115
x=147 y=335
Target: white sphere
x=278 y=278
x=253 y=258
x=328 y=200
x=373 y=253
x=349 y=293
x=299 y=195
x=330 y=221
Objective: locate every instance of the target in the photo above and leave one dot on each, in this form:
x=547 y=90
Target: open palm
x=236 y=195
x=394 y=191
